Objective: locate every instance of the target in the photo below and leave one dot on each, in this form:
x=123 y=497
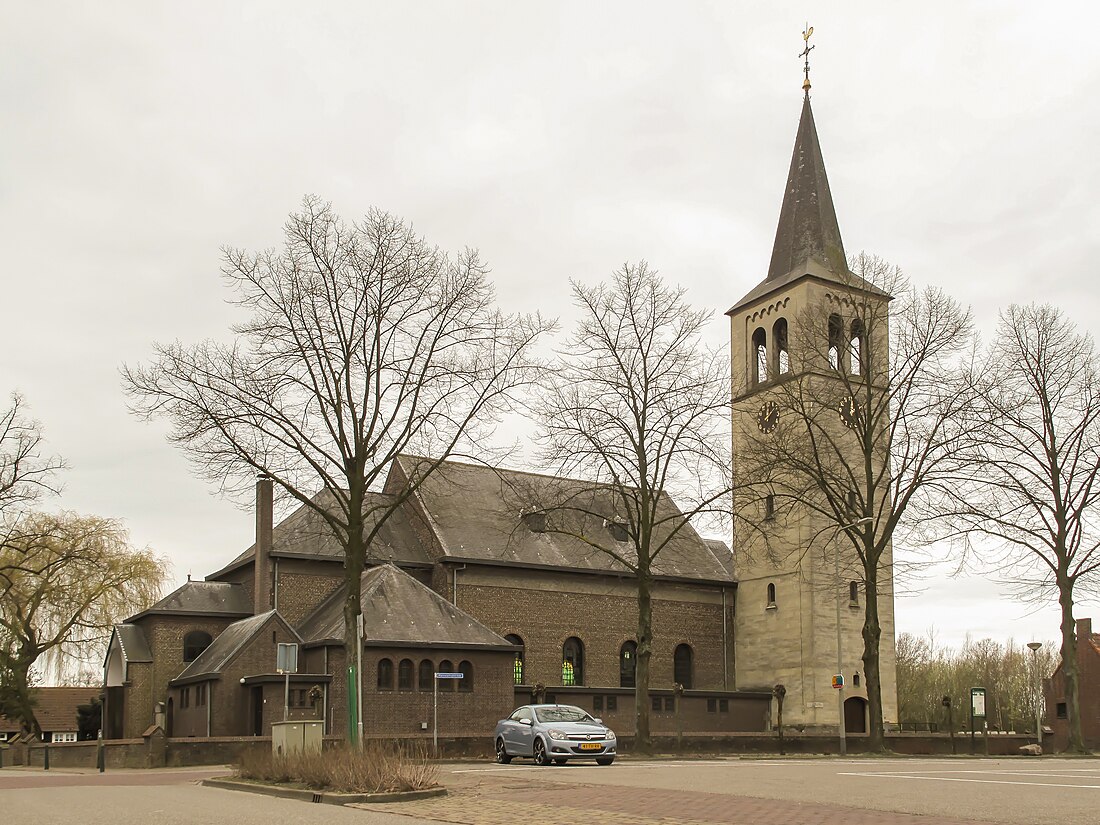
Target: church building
x=462 y=579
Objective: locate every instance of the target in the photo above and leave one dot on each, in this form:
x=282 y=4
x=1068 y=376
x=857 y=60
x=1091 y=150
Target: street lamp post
x=1035 y=647
x=839 y=639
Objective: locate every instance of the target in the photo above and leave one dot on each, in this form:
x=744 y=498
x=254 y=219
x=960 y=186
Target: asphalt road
x=824 y=791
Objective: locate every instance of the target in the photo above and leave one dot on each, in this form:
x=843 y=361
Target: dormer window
x=617 y=530
x=535 y=521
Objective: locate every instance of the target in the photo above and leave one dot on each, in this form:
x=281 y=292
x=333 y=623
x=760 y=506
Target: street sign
x=977 y=702
x=838 y=680
x=449 y=675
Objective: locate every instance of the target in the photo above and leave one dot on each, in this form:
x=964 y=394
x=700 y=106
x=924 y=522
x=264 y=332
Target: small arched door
x=855 y=714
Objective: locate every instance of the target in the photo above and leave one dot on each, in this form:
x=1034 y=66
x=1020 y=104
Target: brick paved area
x=517 y=800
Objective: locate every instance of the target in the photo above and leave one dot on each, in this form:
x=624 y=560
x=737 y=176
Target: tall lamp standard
x=839 y=643
x=1035 y=646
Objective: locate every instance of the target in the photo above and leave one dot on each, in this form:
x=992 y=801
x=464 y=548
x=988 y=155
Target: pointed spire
x=807 y=229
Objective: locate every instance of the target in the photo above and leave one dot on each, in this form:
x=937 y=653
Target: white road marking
x=980 y=781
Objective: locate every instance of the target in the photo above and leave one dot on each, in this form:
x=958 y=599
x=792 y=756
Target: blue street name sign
x=449 y=675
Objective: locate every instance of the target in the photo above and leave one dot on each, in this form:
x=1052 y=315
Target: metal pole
x=839 y=651
x=100 y=762
x=359 y=676
x=286 y=697
x=435 y=715
x=1035 y=646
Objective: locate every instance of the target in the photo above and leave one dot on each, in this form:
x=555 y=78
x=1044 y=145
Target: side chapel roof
x=229 y=642
x=399 y=610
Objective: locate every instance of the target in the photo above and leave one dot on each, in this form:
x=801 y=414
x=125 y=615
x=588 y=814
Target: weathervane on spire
x=806 y=54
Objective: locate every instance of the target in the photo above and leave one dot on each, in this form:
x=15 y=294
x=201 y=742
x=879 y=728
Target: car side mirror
x=526 y=722
x=599 y=721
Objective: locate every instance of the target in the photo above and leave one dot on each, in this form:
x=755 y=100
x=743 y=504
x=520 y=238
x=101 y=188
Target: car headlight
x=556 y=734
x=609 y=734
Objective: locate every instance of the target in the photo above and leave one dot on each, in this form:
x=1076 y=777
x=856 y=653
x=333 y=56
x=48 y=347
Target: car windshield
x=562 y=713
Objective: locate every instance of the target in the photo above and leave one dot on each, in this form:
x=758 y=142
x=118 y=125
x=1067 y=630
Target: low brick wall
x=117 y=753
x=137 y=753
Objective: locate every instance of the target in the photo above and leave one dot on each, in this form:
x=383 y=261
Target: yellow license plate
x=591 y=746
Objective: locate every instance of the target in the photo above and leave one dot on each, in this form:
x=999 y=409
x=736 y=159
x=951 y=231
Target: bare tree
x=1031 y=480
x=639 y=409
x=863 y=435
x=364 y=343
x=26 y=471
x=66 y=580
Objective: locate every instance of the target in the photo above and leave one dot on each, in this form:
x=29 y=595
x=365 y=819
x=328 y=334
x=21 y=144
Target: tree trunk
x=1069 y=668
x=21 y=690
x=354 y=560
x=872 y=633
x=642 y=742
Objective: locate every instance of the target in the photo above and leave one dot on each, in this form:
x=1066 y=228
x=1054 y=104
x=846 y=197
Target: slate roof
x=228 y=643
x=55 y=708
x=807 y=239
x=303 y=534
x=477 y=515
x=399 y=610
x=132 y=641
x=202 y=598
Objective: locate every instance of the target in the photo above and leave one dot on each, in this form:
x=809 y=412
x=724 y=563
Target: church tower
x=799 y=338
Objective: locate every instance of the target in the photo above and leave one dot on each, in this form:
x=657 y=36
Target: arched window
x=466 y=683
x=769 y=506
x=836 y=340
x=405 y=675
x=446 y=667
x=425 y=675
x=771 y=594
x=195 y=643
x=853 y=593
x=856 y=345
x=760 y=355
x=682 y=666
x=572 y=662
x=855 y=679
x=385 y=674
x=779 y=343
x=517 y=662
x=628 y=664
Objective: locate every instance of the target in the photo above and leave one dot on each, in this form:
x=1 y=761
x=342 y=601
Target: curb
x=324 y=797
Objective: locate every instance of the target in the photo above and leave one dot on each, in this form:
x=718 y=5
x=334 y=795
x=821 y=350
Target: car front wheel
x=541 y=757
x=503 y=757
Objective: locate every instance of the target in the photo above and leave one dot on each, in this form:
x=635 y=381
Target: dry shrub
x=375 y=768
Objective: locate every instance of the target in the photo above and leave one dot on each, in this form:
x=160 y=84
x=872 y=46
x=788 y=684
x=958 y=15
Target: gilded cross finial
x=809 y=30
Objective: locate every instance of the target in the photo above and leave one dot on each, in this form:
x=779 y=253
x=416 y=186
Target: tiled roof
x=135 y=647
x=477 y=514
x=399 y=609
x=305 y=534
x=55 y=708
x=203 y=597
x=228 y=643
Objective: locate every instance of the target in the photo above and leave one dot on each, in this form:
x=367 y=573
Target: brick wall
x=1088 y=690
x=301 y=586
x=546 y=608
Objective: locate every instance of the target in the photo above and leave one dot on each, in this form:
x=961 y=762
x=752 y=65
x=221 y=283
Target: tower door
x=855 y=714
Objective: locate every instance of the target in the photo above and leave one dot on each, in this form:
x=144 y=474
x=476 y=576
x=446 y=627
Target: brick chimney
x=1084 y=629
x=264 y=525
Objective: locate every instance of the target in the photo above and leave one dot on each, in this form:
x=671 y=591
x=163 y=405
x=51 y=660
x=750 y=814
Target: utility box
x=299 y=736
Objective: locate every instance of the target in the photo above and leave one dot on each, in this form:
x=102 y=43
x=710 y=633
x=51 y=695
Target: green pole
x=353 y=706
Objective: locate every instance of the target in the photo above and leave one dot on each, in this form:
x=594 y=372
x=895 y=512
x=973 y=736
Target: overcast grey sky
x=560 y=139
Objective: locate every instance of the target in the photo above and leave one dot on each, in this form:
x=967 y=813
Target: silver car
x=554 y=733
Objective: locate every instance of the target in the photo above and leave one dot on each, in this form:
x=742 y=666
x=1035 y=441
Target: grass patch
x=377 y=767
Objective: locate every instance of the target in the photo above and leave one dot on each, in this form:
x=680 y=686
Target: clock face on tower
x=768 y=418
x=849 y=412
